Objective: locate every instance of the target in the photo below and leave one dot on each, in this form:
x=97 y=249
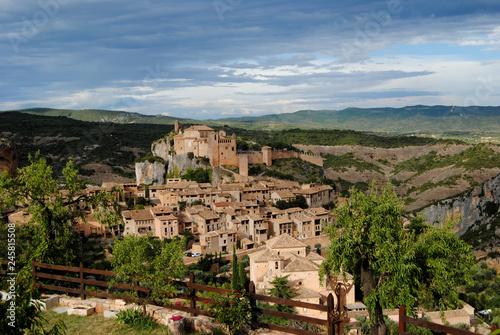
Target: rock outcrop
x=479 y=213
x=9 y=159
x=148 y=173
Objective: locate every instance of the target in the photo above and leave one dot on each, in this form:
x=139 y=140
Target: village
x=241 y=216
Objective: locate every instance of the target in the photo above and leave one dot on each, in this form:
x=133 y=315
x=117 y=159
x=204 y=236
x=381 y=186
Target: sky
x=214 y=59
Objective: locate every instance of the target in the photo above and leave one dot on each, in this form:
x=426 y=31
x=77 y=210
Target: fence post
x=192 y=293
x=82 y=285
x=402 y=324
x=330 y=306
x=253 y=304
x=33 y=271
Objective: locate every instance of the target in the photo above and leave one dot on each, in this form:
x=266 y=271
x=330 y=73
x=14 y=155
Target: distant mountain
x=442 y=121
x=406 y=120
x=100 y=115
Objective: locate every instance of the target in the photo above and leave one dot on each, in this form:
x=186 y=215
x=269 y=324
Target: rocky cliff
x=148 y=173
x=9 y=160
x=480 y=216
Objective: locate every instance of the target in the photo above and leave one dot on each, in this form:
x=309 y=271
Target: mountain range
x=471 y=122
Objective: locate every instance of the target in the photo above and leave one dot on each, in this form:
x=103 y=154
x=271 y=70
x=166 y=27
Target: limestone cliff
x=9 y=160
x=480 y=216
x=150 y=173
x=162 y=148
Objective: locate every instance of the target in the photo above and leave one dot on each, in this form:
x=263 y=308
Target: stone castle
x=220 y=149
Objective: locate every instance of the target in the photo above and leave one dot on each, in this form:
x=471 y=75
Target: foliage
x=483 y=291
x=281 y=289
x=395 y=266
x=151 y=263
x=349 y=160
x=199 y=175
x=480 y=156
x=233 y=310
x=47 y=237
x=136 y=319
x=150 y=158
x=88 y=142
x=299 y=201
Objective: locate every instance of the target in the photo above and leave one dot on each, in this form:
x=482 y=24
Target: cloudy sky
x=224 y=58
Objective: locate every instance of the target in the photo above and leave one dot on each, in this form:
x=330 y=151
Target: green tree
x=394 y=265
x=54 y=206
x=151 y=263
x=234 y=278
x=281 y=289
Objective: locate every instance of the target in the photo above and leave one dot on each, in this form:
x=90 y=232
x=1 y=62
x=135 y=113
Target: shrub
x=135 y=319
x=233 y=310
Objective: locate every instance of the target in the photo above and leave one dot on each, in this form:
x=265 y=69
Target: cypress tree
x=234 y=278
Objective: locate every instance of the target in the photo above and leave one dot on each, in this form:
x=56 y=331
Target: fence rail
x=404 y=320
x=334 y=321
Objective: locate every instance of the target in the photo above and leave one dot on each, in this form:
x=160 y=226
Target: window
x=276 y=265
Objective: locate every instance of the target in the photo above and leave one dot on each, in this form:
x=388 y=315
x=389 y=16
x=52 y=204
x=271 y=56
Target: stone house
x=220 y=240
x=284 y=195
x=138 y=222
x=317 y=196
x=287 y=256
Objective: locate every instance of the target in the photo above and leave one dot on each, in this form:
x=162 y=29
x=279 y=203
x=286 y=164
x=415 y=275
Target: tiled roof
x=161 y=210
x=314 y=256
x=267 y=255
x=141 y=215
x=305 y=293
x=208 y=215
x=201 y=127
x=284 y=241
x=300 y=264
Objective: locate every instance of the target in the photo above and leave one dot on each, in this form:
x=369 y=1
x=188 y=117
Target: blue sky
x=228 y=58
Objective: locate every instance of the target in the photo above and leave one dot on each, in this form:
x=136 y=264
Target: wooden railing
x=404 y=320
x=336 y=317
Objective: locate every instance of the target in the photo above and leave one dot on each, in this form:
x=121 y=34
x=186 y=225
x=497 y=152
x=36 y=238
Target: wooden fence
x=404 y=320
x=336 y=316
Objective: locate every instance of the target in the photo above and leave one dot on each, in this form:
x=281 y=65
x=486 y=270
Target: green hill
x=444 y=121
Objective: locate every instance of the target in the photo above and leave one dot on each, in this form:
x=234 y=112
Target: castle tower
x=243 y=164
x=267 y=155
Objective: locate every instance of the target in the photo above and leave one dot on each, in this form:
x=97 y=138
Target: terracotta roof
x=314 y=256
x=255 y=217
x=141 y=215
x=280 y=221
x=305 y=293
x=229 y=187
x=199 y=127
x=284 y=241
x=284 y=194
x=166 y=218
x=300 y=264
x=267 y=255
x=208 y=215
x=161 y=210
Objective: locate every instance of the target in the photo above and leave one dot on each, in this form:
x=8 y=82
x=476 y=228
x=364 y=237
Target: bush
x=136 y=319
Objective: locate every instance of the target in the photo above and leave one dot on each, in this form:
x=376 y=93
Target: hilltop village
x=241 y=215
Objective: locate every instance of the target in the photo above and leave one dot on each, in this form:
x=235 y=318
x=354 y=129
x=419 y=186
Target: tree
x=150 y=263
x=54 y=206
x=394 y=265
x=281 y=289
x=234 y=278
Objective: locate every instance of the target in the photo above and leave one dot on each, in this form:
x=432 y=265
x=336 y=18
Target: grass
x=97 y=325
